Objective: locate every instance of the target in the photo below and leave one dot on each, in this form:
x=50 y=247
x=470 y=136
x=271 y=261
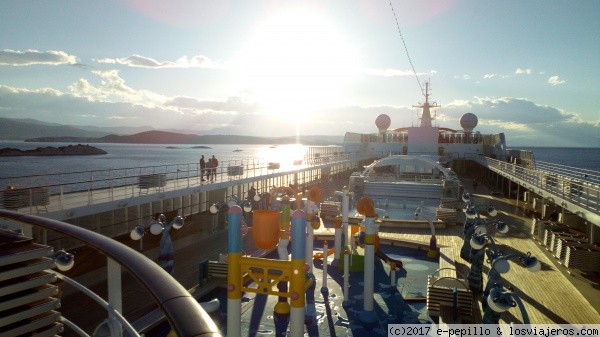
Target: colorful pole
x=234 y=271
x=297 y=280
x=282 y=307
x=346 y=301
x=324 y=288
x=338 y=238
x=310 y=209
x=368 y=315
x=345 y=205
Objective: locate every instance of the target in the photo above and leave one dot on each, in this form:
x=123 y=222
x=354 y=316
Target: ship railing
x=553 y=179
x=576 y=174
x=183 y=312
x=66 y=190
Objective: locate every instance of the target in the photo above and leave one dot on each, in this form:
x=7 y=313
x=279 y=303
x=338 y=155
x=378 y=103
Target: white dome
x=468 y=122
x=383 y=122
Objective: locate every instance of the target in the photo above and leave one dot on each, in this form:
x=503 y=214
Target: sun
x=296 y=61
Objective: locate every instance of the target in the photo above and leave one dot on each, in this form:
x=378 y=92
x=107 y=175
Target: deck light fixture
x=481 y=226
x=501 y=265
x=247 y=206
x=233 y=200
x=137 y=233
x=156 y=227
x=64 y=260
x=501 y=300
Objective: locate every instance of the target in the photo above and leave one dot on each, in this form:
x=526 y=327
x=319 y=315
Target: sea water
x=143 y=155
x=139 y=155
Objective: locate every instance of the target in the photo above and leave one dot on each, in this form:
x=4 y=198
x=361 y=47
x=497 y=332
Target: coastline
x=69 y=150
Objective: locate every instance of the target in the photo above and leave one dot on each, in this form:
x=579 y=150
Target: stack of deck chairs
x=568 y=244
x=447 y=215
x=583 y=258
x=329 y=210
x=454 y=203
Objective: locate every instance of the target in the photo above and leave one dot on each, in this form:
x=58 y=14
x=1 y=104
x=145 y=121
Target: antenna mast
x=426 y=115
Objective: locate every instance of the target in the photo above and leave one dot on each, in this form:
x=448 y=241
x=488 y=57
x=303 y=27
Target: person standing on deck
x=202 y=167
x=209 y=168
x=215 y=163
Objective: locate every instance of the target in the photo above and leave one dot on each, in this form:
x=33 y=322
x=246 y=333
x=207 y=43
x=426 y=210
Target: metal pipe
x=182 y=311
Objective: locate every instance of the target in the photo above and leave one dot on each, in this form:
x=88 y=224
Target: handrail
x=183 y=312
x=118 y=316
x=579 y=187
x=65 y=191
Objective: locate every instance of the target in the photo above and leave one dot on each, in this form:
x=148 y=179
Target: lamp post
x=475 y=224
x=500 y=265
x=158 y=226
x=501 y=300
x=478 y=242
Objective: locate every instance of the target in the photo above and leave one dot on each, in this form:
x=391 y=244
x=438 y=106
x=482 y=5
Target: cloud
x=108 y=100
x=555 y=80
x=511 y=110
x=235 y=105
x=489 y=75
x=139 y=61
x=113 y=88
x=520 y=71
x=31 y=57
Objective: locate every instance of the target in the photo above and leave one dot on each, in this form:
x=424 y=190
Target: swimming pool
x=325 y=313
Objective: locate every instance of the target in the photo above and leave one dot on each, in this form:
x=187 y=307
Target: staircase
x=28 y=299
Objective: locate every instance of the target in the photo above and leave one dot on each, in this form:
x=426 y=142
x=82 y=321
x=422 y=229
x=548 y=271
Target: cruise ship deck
x=556 y=294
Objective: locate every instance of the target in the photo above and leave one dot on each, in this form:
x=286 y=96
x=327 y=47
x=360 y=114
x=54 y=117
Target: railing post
x=60 y=198
x=115 y=299
x=90 y=189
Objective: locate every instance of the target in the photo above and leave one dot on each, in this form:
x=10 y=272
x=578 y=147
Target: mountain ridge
x=32 y=130
x=165 y=137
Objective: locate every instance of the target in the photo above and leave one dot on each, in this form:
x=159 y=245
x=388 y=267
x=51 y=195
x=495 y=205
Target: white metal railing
x=575 y=173
x=576 y=185
x=182 y=311
x=63 y=191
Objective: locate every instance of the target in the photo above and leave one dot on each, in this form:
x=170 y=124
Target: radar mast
x=426 y=114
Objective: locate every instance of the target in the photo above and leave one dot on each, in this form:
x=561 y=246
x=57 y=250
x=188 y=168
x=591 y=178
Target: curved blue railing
x=183 y=312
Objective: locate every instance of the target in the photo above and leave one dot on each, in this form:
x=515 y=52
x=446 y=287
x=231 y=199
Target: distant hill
x=77 y=150
x=163 y=137
x=36 y=131
x=21 y=129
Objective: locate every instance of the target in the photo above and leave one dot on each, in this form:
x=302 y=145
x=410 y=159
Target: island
x=71 y=150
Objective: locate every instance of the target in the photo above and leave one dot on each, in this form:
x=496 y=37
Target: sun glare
x=296 y=61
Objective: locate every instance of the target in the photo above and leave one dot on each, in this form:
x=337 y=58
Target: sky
x=530 y=69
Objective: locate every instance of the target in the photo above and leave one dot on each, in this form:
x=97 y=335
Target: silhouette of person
x=202 y=167
x=475 y=184
x=215 y=163
x=209 y=168
x=251 y=193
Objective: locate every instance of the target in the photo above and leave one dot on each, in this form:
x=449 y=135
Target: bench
x=211 y=269
x=13 y=199
x=156 y=180
x=446 y=292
